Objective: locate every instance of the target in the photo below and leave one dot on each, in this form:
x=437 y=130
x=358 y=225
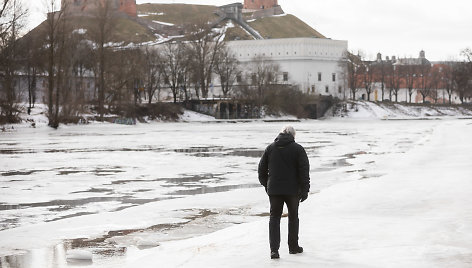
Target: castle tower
x=260 y=4
x=128 y=7
x=79 y=7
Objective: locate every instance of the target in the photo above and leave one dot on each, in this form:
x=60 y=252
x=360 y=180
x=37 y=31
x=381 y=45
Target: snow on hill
x=376 y=110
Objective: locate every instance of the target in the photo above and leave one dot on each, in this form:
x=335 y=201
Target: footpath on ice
x=418 y=215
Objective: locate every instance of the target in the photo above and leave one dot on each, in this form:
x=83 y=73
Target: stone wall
x=267 y=12
x=260 y=4
x=128 y=7
x=84 y=7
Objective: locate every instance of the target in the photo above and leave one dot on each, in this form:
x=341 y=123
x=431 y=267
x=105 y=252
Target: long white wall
x=309 y=62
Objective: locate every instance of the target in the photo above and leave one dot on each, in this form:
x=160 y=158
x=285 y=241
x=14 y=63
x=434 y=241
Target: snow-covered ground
x=379 y=110
x=384 y=194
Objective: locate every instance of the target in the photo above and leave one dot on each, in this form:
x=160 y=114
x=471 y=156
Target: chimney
x=379 y=57
x=422 y=54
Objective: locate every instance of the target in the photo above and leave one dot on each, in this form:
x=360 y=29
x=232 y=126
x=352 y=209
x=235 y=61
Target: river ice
x=111 y=189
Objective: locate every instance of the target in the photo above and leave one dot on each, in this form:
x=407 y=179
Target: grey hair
x=288 y=130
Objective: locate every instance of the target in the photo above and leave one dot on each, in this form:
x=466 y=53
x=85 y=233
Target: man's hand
x=303 y=197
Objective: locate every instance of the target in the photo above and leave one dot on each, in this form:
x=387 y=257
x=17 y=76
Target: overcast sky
x=392 y=27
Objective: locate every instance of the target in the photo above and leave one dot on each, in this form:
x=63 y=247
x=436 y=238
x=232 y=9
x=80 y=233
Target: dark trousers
x=276 y=208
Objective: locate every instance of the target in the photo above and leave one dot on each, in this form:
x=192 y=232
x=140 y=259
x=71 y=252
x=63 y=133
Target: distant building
x=408 y=80
x=260 y=4
x=83 y=7
x=311 y=64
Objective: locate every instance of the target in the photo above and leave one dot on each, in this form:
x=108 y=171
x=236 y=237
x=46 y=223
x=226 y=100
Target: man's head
x=288 y=130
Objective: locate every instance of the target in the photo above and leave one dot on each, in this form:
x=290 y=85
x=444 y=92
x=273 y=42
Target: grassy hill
x=176 y=16
x=287 y=26
x=124 y=29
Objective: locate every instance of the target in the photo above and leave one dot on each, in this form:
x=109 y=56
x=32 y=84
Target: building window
x=285 y=77
x=327 y=89
x=340 y=89
x=334 y=77
x=313 y=89
x=239 y=78
x=319 y=76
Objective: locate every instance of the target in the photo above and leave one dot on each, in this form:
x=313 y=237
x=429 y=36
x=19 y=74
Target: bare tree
x=461 y=77
x=434 y=81
x=32 y=62
x=354 y=64
x=394 y=81
x=174 y=60
x=11 y=21
x=101 y=35
x=204 y=45
x=382 y=78
x=54 y=17
x=119 y=80
x=409 y=75
x=424 y=70
x=264 y=74
x=368 y=78
x=448 y=80
x=227 y=68
x=467 y=54
x=153 y=66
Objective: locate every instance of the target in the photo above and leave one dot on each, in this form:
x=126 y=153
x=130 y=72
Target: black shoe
x=274 y=255
x=295 y=250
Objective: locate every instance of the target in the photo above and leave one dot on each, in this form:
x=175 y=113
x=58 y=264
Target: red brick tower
x=128 y=7
x=78 y=7
x=260 y=4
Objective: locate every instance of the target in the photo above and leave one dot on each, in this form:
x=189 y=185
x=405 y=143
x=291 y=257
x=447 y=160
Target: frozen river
x=116 y=186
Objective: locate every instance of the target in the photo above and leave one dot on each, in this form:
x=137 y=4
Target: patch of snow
x=377 y=110
x=402 y=201
x=230 y=24
x=147 y=243
x=191 y=116
x=415 y=216
x=163 y=23
x=146 y=14
x=80 y=31
x=78 y=254
x=114 y=44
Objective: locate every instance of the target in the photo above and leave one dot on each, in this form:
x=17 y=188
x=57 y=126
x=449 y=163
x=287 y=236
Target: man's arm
x=263 y=169
x=303 y=173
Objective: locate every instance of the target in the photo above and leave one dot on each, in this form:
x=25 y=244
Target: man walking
x=284 y=171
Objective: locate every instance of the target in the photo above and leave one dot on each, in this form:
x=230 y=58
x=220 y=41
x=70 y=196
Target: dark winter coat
x=284 y=168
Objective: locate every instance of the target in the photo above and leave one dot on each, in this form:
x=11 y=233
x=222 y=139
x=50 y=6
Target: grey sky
x=393 y=27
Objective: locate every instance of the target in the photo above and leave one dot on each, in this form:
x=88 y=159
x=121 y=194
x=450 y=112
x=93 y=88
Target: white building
x=313 y=64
